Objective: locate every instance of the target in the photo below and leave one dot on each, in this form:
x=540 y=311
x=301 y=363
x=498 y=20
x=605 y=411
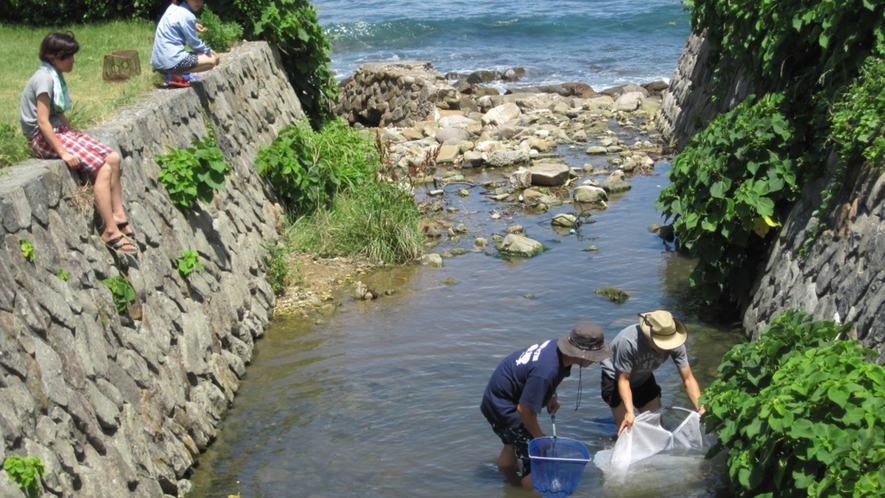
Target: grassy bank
x=94 y=99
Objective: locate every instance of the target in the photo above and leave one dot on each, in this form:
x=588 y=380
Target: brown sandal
x=122 y=245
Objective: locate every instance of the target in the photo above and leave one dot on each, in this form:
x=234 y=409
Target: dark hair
x=58 y=45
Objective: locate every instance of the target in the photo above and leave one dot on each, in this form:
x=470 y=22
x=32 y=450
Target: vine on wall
x=821 y=65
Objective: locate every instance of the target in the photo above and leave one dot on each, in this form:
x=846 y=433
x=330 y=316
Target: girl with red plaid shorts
x=43 y=106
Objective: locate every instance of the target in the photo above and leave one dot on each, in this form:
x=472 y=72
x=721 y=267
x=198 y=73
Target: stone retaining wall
x=382 y=94
x=838 y=274
x=122 y=404
x=688 y=105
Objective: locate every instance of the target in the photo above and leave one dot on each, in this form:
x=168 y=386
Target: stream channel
x=381 y=398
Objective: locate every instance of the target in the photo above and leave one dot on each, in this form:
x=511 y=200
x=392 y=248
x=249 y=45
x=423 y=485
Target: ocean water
x=602 y=43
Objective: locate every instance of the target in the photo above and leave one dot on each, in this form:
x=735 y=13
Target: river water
x=381 y=398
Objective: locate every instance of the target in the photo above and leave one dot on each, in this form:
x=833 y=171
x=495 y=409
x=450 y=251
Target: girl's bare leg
x=205 y=62
x=101 y=188
x=112 y=163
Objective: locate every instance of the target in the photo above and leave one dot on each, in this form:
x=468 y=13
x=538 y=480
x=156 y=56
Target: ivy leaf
x=838 y=395
x=720 y=189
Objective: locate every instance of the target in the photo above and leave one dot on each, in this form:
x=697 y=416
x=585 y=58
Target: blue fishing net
x=557 y=465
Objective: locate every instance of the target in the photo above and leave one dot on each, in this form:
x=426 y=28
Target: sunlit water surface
x=381 y=398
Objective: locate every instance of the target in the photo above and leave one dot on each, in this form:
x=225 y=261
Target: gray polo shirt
x=40 y=83
x=631 y=353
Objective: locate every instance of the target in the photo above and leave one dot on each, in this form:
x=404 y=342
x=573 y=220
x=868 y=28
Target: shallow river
x=381 y=398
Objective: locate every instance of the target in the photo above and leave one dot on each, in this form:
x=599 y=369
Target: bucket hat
x=586 y=341
x=662 y=329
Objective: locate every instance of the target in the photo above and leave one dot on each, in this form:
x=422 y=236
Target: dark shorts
x=518 y=438
x=642 y=394
x=182 y=67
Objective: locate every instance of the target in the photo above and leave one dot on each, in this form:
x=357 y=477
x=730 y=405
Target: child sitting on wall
x=178 y=28
x=44 y=103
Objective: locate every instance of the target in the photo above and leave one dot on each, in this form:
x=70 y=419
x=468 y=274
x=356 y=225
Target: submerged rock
x=613 y=294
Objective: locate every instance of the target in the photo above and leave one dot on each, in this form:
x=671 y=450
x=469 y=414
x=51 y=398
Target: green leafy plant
x=293 y=26
x=194 y=173
x=307 y=168
x=794 y=43
x=188 y=262
x=27 y=249
x=809 y=56
x=62 y=275
x=13 y=145
x=122 y=292
x=376 y=221
x=725 y=188
x=49 y=13
x=859 y=116
x=800 y=413
x=219 y=34
x=25 y=472
x=279 y=272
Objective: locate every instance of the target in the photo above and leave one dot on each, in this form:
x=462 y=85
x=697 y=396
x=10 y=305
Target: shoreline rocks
x=425 y=121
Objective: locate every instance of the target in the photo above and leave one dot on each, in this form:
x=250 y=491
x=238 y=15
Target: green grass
x=374 y=221
x=94 y=99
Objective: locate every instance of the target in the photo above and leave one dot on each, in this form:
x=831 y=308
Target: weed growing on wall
x=800 y=412
x=279 y=273
x=121 y=290
x=25 y=472
x=188 y=262
x=859 y=116
x=27 y=250
x=194 y=173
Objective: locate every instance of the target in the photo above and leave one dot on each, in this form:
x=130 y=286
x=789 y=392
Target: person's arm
x=193 y=40
x=529 y=420
x=627 y=398
x=692 y=389
x=45 y=126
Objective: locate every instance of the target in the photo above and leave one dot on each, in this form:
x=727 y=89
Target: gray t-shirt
x=40 y=83
x=631 y=353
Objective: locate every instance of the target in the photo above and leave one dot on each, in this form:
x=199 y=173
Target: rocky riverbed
x=435 y=128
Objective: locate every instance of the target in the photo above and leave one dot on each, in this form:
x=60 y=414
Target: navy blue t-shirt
x=529 y=376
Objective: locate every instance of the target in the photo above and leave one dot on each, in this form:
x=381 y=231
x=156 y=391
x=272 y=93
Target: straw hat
x=662 y=329
x=586 y=341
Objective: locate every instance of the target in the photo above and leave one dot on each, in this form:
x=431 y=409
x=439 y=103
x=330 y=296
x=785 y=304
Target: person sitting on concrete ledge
x=43 y=105
x=178 y=27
